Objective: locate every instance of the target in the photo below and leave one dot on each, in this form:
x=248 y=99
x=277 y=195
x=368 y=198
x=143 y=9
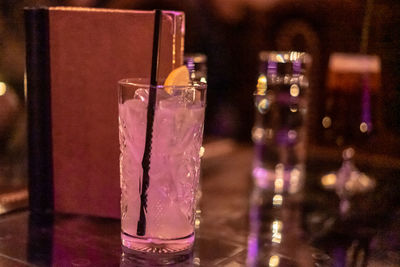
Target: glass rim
x=144 y=82
x=284 y=56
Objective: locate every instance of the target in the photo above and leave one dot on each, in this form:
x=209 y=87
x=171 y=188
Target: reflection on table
x=238 y=225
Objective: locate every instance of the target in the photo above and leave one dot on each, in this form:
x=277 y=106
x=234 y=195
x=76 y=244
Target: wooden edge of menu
x=40 y=168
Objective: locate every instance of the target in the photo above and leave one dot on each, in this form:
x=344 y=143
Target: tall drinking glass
x=279 y=133
x=169 y=202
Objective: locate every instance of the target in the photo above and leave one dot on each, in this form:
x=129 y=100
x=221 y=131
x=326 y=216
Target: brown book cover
x=74 y=148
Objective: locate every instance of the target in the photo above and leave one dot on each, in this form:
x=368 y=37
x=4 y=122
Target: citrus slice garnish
x=177 y=77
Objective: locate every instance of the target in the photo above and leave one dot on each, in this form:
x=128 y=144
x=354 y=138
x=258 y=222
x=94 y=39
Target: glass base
x=131 y=258
x=278 y=180
x=156 y=246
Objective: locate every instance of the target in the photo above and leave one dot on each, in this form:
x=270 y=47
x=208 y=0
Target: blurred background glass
x=197 y=65
x=230 y=34
x=279 y=133
x=352 y=120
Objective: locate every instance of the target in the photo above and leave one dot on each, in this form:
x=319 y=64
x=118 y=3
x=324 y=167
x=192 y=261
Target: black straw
x=141 y=226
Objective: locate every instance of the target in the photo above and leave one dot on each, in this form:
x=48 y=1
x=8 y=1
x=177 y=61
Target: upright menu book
x=74 y=59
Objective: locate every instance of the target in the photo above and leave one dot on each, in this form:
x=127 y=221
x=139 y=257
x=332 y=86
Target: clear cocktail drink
x=174 y=165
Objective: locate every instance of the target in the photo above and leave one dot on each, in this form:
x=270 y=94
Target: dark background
x=231 y=33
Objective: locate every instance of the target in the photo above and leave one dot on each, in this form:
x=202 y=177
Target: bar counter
x=237 y=225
